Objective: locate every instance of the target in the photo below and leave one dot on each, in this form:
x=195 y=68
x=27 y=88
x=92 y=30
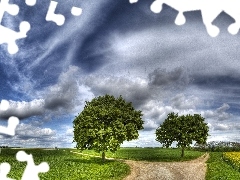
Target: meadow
x=218 y=167
x=65 y=164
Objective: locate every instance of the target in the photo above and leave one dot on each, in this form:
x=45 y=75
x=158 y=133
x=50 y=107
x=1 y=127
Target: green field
x=70 y=166
x=65 y=165
x=219 y=169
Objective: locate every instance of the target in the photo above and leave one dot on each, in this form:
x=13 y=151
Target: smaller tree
x=183 y=129
x=105 y=123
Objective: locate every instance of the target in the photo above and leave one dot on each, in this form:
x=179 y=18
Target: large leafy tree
x=105 y=123
x=182 y=129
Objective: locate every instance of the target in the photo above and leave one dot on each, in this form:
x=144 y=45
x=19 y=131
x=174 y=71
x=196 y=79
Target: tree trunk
x=103 y=156
x=182 y=152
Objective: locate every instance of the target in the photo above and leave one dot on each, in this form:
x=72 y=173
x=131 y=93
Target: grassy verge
x=66 y=166
x=217 y=168
x=149 y=154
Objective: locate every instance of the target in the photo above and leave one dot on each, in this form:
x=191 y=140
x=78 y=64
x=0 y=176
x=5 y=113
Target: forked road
x=188 y=170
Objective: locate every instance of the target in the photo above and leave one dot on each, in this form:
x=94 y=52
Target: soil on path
x=187 y=170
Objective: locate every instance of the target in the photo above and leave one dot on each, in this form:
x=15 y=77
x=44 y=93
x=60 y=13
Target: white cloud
x=218 y=114
x=180 y=101
x=221 y=127
x=146 y=139
x=28 y=131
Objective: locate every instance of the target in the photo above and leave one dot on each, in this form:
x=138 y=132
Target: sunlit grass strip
x=233 y=158
x=217 y=168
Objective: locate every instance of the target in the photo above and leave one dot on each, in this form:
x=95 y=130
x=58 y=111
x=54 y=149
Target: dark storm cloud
x=226 y=88
x=135 y=91
x=96 y=50
x=217 y=81
x=63 y=94
x=177 y=78
x=23 y=109
x=59 y=98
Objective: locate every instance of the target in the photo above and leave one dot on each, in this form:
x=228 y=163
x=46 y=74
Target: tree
x=105 y=123
x=182 y=129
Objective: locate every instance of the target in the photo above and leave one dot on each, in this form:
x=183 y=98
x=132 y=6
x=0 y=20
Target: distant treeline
x=218 y=146
x=8 y=147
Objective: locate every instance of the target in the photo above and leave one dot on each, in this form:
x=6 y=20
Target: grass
x=65 y=165
x=218 y=169
x=232 y=158
x=149 y=154
x=70 y=166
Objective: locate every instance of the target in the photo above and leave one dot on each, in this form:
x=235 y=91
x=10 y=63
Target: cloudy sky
x=117 y=48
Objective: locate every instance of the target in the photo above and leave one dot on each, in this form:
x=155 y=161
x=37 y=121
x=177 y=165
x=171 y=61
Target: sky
x=117 y=48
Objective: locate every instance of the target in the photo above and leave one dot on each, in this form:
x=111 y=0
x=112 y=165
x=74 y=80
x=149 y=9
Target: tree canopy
x=182 y=129
x=105 y=123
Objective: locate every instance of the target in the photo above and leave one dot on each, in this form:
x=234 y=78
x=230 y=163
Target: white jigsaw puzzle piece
x=31 y=171
x=12 y=9
x=12 y=121
x=4 y=170
x=30 y=2
x=59 y=19
x=209 y=9
x=133 y=1
x=7 y=35
x=12 y=124
x=76 y=11
x=4 y=105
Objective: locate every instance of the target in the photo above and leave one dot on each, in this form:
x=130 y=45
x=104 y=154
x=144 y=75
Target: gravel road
x=188 y=170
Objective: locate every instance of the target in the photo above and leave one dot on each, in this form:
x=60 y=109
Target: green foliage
x=66 y=165
x=218 y=169
x=183 y=129
x=218 y=146
x=105 y=123
x=149 y=154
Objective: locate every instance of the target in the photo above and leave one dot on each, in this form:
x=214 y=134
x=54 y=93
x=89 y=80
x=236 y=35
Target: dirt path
x=189 y=170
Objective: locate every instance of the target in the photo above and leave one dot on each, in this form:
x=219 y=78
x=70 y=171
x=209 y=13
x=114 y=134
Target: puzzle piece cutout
x=30 y=2
x=12 y=124
x=59 y=19
x=76 y=11
x=209 y=9
x=4 y=105
x=133 y=1
x=31 y=171
x=4 y=170
x=12 y=121
x=7 y=35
